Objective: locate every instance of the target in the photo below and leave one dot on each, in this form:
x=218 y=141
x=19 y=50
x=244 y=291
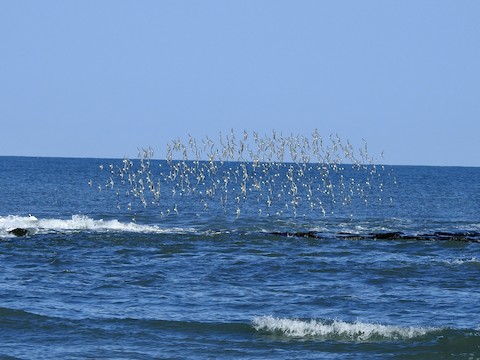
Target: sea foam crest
x=461 y=261
x=336 y=329
x=77 y=223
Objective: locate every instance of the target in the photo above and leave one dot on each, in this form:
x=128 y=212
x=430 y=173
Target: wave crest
x=78 y=223
x=336 y=329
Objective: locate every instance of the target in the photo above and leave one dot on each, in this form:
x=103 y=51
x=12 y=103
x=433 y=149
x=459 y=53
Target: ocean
x=164 y=259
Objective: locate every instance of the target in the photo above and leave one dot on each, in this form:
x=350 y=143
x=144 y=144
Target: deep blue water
x=379 y=262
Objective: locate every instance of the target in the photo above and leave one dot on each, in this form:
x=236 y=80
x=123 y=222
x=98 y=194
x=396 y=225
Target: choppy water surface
x=99 y=275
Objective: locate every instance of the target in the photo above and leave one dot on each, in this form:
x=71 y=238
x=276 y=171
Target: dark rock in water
x=19 y=232
x=299 y=234
x=465 y=236
x=387 y=236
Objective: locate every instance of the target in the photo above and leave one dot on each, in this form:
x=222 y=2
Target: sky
x=104 y=78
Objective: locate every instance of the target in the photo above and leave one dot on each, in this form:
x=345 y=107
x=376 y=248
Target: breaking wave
x=462 y=261
x=337 y=330
x=76 y=223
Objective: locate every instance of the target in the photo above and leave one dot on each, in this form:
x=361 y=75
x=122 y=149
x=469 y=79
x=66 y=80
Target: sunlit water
x=101 y=275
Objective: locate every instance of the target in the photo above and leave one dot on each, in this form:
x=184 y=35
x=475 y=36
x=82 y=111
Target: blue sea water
x=300 y=263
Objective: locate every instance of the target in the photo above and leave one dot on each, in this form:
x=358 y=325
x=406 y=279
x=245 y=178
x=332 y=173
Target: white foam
x=78 y=223
x=462 y=261
x=336 y=329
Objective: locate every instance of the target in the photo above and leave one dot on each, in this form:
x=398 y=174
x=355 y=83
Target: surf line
x=461 y=236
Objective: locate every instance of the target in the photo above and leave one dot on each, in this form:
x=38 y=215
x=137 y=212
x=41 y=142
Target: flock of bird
x=271 y=174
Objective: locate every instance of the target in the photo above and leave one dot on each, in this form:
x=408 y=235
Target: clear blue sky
x=102 y=78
